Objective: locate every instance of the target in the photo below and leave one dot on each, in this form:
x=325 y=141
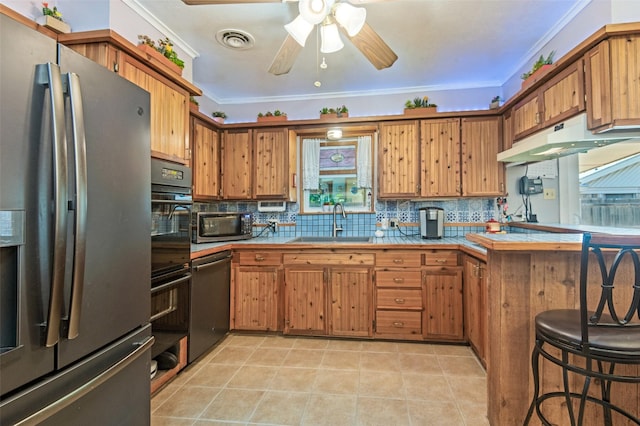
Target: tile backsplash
x=467 y=211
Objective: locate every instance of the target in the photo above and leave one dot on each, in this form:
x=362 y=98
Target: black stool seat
x=564 y=325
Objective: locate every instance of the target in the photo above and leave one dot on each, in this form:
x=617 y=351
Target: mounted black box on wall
x=530 y=186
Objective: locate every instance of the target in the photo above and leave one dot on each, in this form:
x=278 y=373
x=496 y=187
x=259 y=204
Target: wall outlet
x=274 y=224
x=549 y=194
x=393 y=223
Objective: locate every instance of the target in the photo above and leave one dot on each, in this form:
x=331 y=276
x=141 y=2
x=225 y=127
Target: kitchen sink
x=332 y=240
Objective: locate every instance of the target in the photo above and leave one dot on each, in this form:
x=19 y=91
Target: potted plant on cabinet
x=539 y=68
x=193 y=104
x=339 y=112
x=52 y=19
x=495 y=103
x=219 y=116
x=420 y=106
x=162 y=52
x=276 y=115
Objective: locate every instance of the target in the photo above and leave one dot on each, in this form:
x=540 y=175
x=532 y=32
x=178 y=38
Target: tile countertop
x=570 y=229
x=528 y=242
x=270 y=242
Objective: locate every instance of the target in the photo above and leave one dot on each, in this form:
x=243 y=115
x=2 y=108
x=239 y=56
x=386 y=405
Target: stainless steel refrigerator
x=74 y=238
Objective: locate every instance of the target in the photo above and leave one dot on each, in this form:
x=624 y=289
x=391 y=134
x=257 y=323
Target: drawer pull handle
x=259 y=258
x=398 y=280
x=441 y=260
x=398 y=261
x=399 y=300
x=398 y=324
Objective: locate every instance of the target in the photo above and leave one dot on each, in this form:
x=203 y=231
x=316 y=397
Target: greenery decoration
x=165 y=47
x=55 y=13
x=419 y=103
x=539 y=64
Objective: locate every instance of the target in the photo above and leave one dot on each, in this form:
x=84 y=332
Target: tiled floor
x=275 y=380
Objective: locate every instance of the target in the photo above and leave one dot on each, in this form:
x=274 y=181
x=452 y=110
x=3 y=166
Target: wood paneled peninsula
x=527 y=274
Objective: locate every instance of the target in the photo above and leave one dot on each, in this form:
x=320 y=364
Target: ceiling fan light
x=331 y=41
x=299 y=29
x=314 y=11
x=351 y=18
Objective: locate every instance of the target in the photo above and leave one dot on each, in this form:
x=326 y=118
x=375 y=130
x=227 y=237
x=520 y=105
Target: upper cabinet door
x=271 y=164
x=482 y=174
x=236 y=165
x=206 y=161
x=399 y=160
x=440 y=157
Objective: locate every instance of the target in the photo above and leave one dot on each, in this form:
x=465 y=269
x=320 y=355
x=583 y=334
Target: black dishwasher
x=209 y=306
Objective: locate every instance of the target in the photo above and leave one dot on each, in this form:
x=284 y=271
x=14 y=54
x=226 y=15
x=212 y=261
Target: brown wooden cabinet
x=255 y=291
x=440 y=157
x=475 y=305
x=399 y=160
x=206 y=160
x=169 y=93
x=328 y=293
x=255 y=164
x=399 y=297
x=558 y=99
x=612 y=83
x=443 y=318
x=482 y=174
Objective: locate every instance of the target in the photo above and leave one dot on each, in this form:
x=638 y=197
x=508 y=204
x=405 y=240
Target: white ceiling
x=441 y=44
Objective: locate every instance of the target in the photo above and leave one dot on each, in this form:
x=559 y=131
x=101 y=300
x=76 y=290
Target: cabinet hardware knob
x=398 y=261
x=398 y=324
x=399 y=300
x=441 y=261
x=398 y=280
x=259 y=258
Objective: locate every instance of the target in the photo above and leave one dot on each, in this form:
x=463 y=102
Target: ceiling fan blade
x=373 y=47
x=285 y=57
x=202 y=2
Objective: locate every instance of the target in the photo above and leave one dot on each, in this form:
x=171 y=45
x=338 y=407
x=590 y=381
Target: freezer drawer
x=110 y=387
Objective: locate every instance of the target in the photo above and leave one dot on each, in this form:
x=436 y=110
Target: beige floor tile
x=381 y=384
x=382 y=412
x=380 y=361
x=458 y=350
x=281 y=408
x=214 y=375
x=310 y=343
x=233 y=404
x=252 y=340
x=344 y=345
x=342 y=360
x=379 y=346
x=268 y=356
x=189 y=401
x=435 y=413
x=330 y=410
x=216 y=423
x=416 y=348
x=274 y=341
x=303 y=358
x=474 y=413
x=162 y=395
x=427 y=387
x=294 y=379
x=337 y=382
x=170 y=421
x=232 y=355
x=419 y=363
x=461 y=366
x=471 y=389
x=250 y=377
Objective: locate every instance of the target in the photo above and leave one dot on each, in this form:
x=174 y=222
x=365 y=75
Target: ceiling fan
x=333 y=16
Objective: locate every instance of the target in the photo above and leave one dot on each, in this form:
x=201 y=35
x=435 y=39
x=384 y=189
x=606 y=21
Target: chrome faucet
x=337 y=228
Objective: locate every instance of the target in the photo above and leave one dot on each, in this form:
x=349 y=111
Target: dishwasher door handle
x=211 y=264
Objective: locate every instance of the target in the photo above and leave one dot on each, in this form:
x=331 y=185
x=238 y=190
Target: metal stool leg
x=535 y=368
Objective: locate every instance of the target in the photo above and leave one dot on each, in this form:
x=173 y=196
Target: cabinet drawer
x=399 y=322
x=398 y=278
x=260 y=258
x=311 y=258
x=441 y=258
x=390 y=298
x=395 y=259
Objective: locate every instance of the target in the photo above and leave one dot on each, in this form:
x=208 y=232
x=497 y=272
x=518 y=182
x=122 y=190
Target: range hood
x=566 y=138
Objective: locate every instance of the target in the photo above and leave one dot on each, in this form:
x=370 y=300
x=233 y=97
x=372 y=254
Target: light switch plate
x=549 y=194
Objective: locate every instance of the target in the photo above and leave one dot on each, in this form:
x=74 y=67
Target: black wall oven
x=171 y=204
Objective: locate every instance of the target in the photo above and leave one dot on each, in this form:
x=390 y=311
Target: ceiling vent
x=235 y=39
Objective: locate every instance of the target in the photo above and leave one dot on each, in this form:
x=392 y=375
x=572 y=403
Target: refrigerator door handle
x=48 y=75
x=89 y=386
x=80 y=148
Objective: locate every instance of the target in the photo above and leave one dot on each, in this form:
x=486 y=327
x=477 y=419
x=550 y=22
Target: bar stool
x=602 y=334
